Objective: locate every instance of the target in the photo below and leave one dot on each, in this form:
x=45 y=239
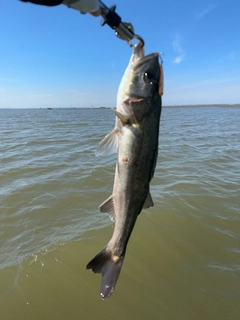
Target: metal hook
x=138 y=38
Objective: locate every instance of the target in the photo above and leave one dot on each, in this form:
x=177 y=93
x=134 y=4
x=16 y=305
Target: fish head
x=144 y=77
x=139 y=87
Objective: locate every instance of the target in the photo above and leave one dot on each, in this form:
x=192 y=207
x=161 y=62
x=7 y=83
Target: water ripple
x=52 y=183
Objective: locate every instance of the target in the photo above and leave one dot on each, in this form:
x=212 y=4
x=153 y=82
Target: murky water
x=183 y=258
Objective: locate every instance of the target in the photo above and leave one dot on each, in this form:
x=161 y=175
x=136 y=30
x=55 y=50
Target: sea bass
x=135 y=138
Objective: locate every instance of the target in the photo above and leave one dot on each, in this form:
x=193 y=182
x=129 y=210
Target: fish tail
x=110 y=266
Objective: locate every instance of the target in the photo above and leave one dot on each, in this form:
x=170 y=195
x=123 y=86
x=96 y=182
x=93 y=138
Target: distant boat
x=49 y=108
x=102 y=107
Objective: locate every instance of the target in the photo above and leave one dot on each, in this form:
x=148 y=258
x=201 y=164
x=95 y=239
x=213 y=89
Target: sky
x=56 y=57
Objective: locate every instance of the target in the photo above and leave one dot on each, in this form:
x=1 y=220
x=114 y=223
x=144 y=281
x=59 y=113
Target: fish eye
x=148 y=77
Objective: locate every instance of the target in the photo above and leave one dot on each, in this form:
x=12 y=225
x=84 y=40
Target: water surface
x=183 y=258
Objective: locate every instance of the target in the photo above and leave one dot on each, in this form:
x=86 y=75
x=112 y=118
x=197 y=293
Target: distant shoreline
x=173 y=106
x=237 y=105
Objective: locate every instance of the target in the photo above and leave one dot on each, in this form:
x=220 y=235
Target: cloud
x=177 y=48
x=211 y=82
x=39 y=95
x=77 y=91
x=8 y=80
x=178 y=60
x=229 y=56
x=206 y=11
x=214 y=81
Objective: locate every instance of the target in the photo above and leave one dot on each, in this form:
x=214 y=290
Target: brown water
x=183 y=258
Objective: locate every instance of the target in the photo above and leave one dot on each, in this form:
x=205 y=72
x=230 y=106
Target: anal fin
x=108 y=207
x=148 y=201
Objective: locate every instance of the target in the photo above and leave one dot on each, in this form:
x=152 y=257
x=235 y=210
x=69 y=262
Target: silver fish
x=135 y=138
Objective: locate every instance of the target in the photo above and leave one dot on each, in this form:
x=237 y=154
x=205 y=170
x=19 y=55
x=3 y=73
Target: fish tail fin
x=110 y=266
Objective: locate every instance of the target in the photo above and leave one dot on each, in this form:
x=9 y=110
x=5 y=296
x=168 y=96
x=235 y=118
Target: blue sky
x=57 y=57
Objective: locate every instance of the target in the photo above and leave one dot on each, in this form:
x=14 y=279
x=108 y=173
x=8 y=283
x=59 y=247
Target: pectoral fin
x=109 y=144
x=124 y=118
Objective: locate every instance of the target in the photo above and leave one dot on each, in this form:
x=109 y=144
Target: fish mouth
x=143 y=60
x=133 y=99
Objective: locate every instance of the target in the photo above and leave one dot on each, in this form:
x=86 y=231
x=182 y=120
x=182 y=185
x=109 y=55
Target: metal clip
x=123 y=30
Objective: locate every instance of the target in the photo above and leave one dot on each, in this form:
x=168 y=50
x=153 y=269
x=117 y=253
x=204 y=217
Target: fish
x=135 y=139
